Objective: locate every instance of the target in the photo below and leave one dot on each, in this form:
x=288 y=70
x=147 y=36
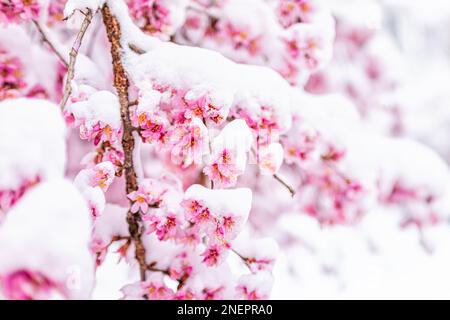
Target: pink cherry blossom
x=17 y=11
x=149 y=194
x=295 y=11
x=213 y=255
x=8 y=198
x=11 y=76
x=152 y=16
x=176 y=148
x=223 y=171
x=29 y=285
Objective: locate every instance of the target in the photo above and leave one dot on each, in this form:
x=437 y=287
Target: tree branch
x=135 y=48
x=285 y=184
x=46 y=40
x=73 y=58
x=121 y=84
x=244 y=259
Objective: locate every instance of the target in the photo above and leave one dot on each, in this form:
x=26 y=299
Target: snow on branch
x=121 y=84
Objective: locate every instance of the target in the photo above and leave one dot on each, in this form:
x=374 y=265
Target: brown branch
x=284 y=183
x=73 y=57
x=245 y=260
x=73 y=13
x=152 y=268
x=133 y=103
x=135 y=48
x=121 y=84
x=46 y=40
x=181 y=281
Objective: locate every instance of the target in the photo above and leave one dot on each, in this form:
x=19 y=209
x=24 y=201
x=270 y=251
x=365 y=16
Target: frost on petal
x=48 y=249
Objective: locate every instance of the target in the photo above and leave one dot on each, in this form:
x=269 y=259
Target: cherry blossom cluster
x=325 y=191
x=372 y=76
x=17 y=11
x=180 y=126
x=219 y=227
x=158 y=17
x=100 y=125
x=12 y=82
x=32 y=180
x=93 y=183
x=28 y=285
x=229 y=154
x=219 y=119
x=55 y=12
x=20 y=172
x=291 y=12
x=25 y=277
x=189 y=236
x=191 y=220
x=172 y=123
x=418 y=204
x=300 y=33
x=421 y=199
x=228 y=148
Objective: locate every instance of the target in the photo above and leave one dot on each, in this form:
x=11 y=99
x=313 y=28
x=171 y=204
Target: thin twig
x=244 y=259
x=73 y=57
x=121 y=83
x=154 y=269
x=73 y=13
x=133 y=103
x=181 y=280
x=135 y=48
x=285 y=184
x=49 y=43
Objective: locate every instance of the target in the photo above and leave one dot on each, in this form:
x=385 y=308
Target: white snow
x=237 y=137
x=82 y=5
x=32 y=141
x=236 y=201
x=112 y=223
x=49 y=232
x=101 y=106
x=228 y=84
